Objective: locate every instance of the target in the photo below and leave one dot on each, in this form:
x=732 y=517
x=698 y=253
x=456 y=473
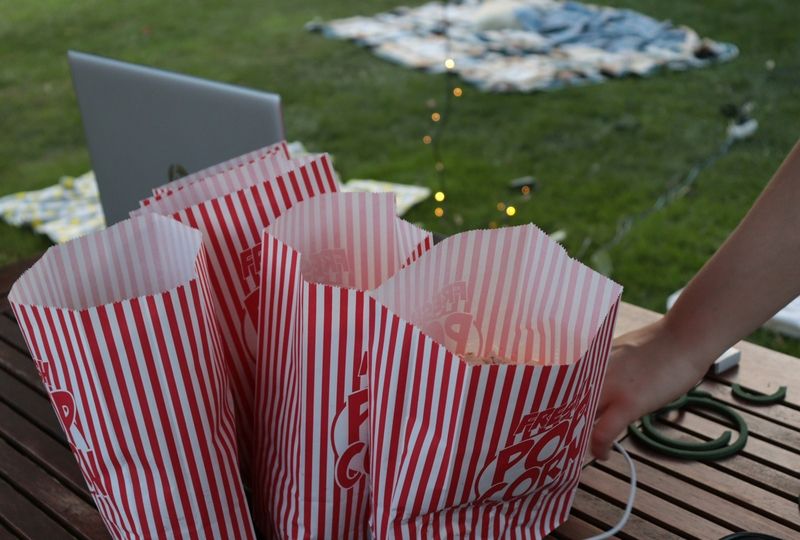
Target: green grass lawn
x=599 y=152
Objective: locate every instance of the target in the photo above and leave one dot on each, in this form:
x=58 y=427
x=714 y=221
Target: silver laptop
x=145 y=127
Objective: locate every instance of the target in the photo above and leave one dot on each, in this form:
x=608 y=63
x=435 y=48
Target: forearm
x=753 y=275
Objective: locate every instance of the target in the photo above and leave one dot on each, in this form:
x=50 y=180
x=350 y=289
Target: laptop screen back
x=143 y=123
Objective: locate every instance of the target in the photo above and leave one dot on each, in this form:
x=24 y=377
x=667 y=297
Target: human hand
x=647 y=369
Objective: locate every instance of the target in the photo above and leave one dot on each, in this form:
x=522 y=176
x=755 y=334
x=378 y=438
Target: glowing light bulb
x=510 y=211
x=436 y=117
x=439 y=196
x=427 y=139
x=438 y=212
x=501 y=206
x=449 y=63
x=526 y=190
x=457 y=91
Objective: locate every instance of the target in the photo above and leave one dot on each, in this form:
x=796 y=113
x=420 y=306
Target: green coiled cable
x=759 y=399
x=718 y=448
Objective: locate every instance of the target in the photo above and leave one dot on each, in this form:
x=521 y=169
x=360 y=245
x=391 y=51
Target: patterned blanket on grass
x=528 y=45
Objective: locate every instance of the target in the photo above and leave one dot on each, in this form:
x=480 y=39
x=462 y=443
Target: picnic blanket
x=66 y=210
x=528 y=45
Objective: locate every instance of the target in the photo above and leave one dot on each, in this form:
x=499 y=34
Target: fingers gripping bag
x=311 y=395
x=484 y=374
x=231 y=216
x=121 y=326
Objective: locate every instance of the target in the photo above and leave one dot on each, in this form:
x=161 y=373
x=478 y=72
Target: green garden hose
x=649 y=430
x=719 y=448
x=760 y=399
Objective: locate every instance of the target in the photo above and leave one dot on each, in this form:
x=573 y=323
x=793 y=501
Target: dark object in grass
x=524 y=181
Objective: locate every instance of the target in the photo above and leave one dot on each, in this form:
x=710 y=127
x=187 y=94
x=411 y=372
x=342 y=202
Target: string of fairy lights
x=439 y=117
x=439 y=120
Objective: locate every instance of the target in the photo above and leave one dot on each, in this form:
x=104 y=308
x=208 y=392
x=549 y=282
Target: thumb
x=610 y=423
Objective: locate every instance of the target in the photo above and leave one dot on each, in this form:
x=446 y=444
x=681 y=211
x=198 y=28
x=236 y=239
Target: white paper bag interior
x=352 y=240
x=503 y=296
x=137 y=257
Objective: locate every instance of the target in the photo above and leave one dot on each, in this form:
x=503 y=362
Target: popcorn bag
x=485 y=368
x=311 y=395
x=121 y=327
x=264 y=160
x=231 y=208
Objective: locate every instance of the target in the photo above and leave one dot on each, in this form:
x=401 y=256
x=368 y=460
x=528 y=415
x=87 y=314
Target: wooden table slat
x=72 y=512
x=10 y=332
x=744 y=492
x=756 y=448
x=782 y=415
x=5 y=533
x=761 y=369
x=32 y=405
x=25 y=518
x=772 y=370
x=577 y=528
x=714 y=507
x=759 y=427
x=21 y=367
x=42 y=449
x=10 y=273
x=653 y=508
x=605 y=515
x=739 y=466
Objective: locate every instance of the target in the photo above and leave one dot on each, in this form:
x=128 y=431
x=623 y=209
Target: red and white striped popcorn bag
x=177 y=195
x=121 y=327
x=231 y=209
x=484 y=375
x=311 y=395
x=275 y=152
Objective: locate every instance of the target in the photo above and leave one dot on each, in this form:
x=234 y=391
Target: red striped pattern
x=217 y=185
x=484 y=451
x=279 y=150
x=231 y=224
x=351 y=239
x=121 y=328
x=314 y=334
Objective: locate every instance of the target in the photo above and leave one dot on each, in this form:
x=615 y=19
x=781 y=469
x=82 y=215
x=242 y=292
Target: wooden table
x=43 y=495
x=756 y=490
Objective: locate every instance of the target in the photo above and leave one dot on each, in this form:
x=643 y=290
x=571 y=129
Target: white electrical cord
x=631 y=496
